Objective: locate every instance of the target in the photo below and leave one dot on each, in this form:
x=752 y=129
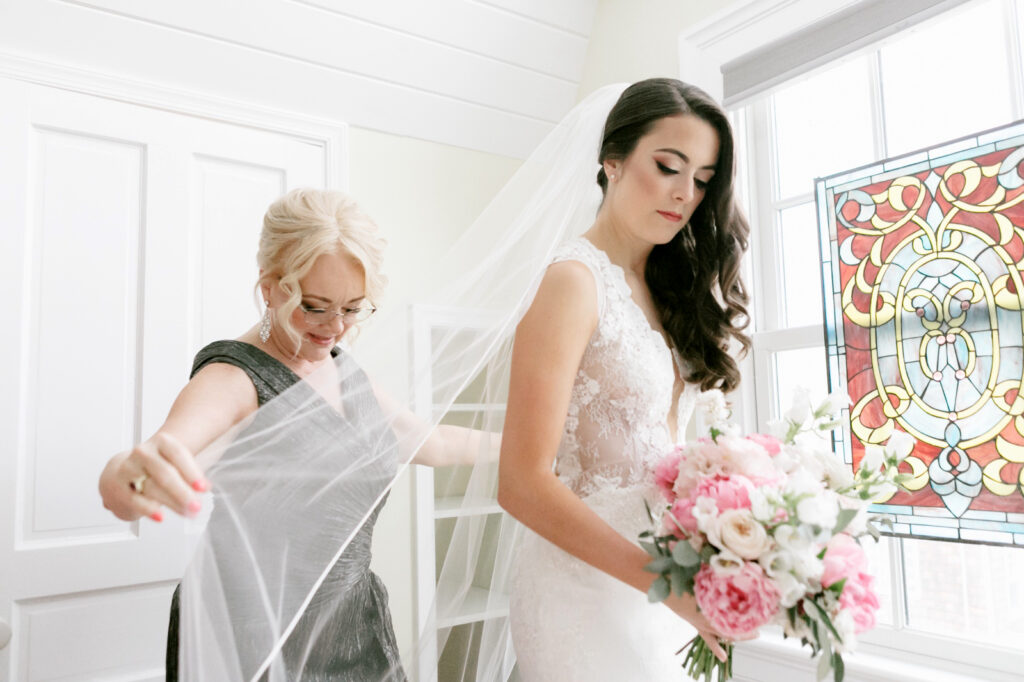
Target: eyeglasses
x=323 y=316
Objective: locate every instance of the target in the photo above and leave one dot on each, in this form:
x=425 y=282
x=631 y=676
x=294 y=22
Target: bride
x=630 y=321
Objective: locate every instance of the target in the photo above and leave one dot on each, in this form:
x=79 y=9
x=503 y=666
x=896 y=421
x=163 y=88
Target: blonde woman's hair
x=305 y=224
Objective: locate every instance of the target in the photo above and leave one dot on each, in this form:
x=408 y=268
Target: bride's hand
x=686 y=607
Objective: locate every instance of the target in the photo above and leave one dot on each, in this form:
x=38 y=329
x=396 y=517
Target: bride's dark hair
x=695 y=278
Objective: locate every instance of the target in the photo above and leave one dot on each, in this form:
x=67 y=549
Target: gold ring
x=138 y=483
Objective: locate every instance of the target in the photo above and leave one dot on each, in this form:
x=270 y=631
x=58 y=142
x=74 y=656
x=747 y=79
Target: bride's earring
x=265 y=325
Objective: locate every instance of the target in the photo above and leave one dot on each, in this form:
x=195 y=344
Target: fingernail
x=157 y=516
x=194 y=506
x=200 y=485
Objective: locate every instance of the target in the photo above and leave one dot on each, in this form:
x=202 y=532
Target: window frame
x=757 y=154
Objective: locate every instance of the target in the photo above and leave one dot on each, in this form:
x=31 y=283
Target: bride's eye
x=665 y=169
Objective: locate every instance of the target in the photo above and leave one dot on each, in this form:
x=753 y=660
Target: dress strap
x=580 y=250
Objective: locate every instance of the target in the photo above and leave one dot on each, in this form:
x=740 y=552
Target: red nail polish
x=194 y=506
x=200 y=485
x=157 y=516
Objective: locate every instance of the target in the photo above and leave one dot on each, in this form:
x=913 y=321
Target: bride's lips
x=323 y=341
x=669 y=215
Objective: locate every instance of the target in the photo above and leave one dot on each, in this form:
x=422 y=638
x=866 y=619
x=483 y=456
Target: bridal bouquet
x=764 y=529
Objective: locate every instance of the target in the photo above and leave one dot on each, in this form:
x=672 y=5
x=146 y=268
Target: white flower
x=763 y=505
x=845 y=626
x=802 y=482
x=798 y=629
x=807 y=568
x=819 y=510
x=792 y=538
x=837 y=473
x=726 y=563
x=900 y=445
x=791 y=590
x=712 y=408
x=872 y=459
x=741 y=534
x=776 y=562
x=833 y=404
x=800 y=409
x=705 y=511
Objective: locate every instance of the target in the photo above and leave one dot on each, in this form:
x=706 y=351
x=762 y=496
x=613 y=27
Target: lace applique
x=616 y=426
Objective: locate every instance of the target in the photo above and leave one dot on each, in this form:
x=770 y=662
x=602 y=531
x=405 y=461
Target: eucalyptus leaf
x=651 y=548
x=838 y=666
x=659 y=590
x=824 y=665
x=845 y=517
x=685 y=555
x=660 y=565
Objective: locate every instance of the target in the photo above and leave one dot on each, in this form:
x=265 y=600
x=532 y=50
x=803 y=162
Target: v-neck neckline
x=674 y=357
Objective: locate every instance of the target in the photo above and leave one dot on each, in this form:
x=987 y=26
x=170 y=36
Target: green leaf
x=843 y=519
x=651 y=548
x=678 y=578
x=838 y=586
x=824 y=666
x=685 y=555
x=823 y=615
x=838 y=666
x=659 y=590
x=660 y=565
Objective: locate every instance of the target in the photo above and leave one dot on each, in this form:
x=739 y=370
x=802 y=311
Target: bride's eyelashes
x=665 y=169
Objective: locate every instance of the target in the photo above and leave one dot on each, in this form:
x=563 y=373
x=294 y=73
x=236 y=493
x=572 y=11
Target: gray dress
x=355 y=640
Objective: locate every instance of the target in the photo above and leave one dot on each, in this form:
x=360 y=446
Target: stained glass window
x=922 y=258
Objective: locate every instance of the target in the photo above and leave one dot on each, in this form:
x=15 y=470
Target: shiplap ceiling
x=491 y=75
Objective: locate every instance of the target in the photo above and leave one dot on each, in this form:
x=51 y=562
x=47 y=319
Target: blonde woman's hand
x=155 y=473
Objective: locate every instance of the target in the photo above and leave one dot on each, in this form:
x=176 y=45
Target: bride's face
x=660 y=184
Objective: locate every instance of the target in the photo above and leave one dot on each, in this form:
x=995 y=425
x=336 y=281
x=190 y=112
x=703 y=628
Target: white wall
x=422 y=195
x=631 y=41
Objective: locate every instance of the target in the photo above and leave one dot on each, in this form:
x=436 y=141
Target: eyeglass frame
x=347 y=315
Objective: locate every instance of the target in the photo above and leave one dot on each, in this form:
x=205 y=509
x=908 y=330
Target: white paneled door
x=128 y=237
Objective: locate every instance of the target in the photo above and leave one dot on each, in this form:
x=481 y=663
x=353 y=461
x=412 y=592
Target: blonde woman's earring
x=265 y=326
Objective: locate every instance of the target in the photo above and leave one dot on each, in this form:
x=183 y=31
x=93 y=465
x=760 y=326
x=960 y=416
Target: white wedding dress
x=569 y=620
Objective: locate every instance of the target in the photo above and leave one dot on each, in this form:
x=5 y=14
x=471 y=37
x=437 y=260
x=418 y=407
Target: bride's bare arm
x=549 y=345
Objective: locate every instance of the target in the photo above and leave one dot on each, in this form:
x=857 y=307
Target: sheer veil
x=298 y=486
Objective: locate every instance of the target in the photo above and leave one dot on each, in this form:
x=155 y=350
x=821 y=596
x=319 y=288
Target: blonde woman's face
x=336 y=283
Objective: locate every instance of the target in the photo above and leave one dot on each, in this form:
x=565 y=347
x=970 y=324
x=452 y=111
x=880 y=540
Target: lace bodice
x=616 y=428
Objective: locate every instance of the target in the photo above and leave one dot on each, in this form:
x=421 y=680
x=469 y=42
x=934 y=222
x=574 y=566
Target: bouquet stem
x=702 y=664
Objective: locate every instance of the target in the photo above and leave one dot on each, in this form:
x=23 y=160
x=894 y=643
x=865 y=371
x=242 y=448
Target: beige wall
x=633 y=40
x=422 y=195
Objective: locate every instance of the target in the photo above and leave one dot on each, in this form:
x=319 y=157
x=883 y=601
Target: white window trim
x=740 y=31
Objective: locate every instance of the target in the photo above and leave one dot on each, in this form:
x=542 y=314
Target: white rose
x=741 y=534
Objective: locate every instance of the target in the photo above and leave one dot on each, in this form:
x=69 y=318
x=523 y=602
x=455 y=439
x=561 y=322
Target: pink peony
x=666 y=473
x=844 y=558
x=681 y=514
x=771 y=444
x=860 y=601
x=728 y=492
x=736 y=603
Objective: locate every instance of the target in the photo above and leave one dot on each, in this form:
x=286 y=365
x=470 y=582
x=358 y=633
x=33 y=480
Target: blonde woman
x=319 y=257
